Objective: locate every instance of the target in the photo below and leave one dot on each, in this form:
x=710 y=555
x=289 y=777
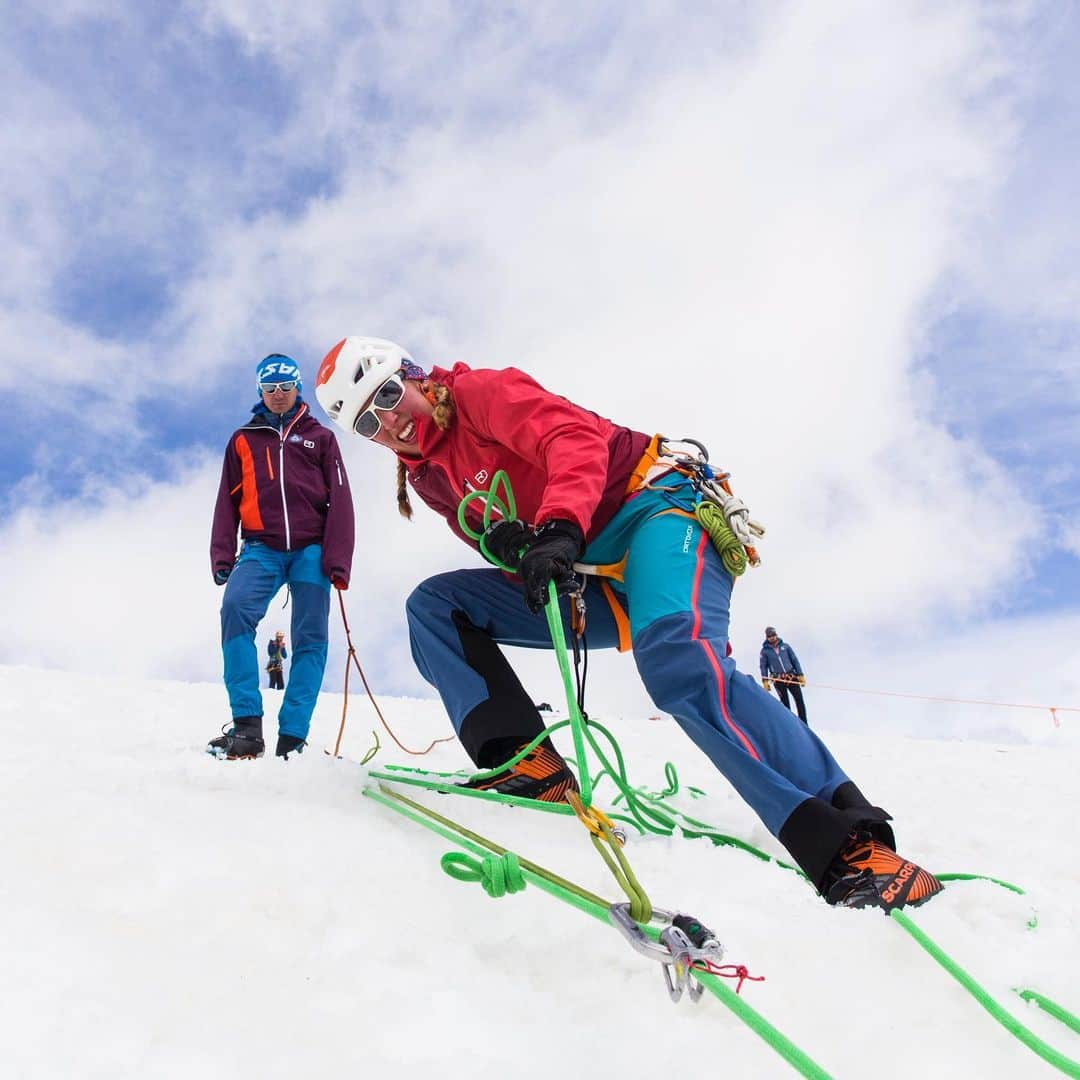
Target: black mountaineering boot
x=289 y=744
x=240 y=741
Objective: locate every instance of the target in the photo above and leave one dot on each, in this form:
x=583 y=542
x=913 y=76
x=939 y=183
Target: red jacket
x=562 y=460
x=286 y=487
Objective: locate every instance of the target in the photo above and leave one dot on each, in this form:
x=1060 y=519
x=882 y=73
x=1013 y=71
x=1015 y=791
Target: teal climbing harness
x=723 y=515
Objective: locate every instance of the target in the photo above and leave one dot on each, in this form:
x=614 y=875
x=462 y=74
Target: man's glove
x=221 y=574
x=550 y=556
x=505 y=540
x=338 y=578
x=802 y=679
x=767 y=684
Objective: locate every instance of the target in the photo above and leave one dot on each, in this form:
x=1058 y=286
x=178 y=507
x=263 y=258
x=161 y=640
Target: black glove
x=221 y=574
x=505 y=539
x=550 y=556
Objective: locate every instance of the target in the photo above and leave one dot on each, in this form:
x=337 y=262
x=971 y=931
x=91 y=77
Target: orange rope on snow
x=352 y=659
x=1052 y=709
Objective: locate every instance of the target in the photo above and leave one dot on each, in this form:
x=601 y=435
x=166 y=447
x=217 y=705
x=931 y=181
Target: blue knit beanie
x=277 y=368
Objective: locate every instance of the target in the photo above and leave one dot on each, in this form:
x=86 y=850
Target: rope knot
x=739 y=972
x=498 y=874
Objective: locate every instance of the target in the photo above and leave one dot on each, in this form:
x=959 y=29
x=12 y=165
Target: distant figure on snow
x=589 y=490
x=780 y=665
x=284 y=485
x=277 y=653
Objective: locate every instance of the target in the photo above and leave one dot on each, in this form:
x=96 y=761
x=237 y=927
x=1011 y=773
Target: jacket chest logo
x=481 y=477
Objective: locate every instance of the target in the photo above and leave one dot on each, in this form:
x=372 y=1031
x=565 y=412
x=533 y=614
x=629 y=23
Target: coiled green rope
x=732 y=553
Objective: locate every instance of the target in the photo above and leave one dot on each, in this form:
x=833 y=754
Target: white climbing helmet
x=352 y=371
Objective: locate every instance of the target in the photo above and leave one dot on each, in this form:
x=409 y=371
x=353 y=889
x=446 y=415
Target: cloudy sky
x=837 y=243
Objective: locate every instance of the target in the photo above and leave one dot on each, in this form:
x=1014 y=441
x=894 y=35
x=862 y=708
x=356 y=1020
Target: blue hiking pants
x=258 y=575
x=676 y=593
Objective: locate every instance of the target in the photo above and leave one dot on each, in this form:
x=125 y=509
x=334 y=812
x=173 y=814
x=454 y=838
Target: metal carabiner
x=683 y=942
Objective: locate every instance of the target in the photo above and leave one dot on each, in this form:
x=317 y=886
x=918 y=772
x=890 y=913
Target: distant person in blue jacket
x=781 y=666
x=277 y=653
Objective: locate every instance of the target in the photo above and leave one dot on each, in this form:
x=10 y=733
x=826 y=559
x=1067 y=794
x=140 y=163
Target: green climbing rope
x=498 y=874
x=577 y=724
x=730 y=548
x=597 y=907
x=507 y=509
x=640 y=905
x=650 y=815
x=1058 y=1012
x=507 y=512
x=1032 y=1041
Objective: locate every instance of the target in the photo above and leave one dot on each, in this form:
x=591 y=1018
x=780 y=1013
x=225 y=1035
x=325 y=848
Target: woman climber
x=591 y=492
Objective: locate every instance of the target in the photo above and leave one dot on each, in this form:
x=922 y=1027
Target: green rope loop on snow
x=498 y=874
x=672 y=778
x=732 y=553
x=1032 y=1041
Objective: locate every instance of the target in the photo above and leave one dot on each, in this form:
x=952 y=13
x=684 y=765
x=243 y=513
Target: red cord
x=729 y=971
x=352 y=659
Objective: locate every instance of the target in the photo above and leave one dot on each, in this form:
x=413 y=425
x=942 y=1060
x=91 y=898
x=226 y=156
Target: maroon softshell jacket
x=287 y=488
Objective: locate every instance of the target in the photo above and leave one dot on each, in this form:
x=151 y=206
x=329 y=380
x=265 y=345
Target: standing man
x=780 y=665
x=275 y=664
x=284 y=486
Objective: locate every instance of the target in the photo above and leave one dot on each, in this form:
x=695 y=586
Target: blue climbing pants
x=676 y=593
x=258 y=575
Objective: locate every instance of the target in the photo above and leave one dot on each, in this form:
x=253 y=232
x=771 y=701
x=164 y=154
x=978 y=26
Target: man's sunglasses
x=388 y=396
x=284 y=387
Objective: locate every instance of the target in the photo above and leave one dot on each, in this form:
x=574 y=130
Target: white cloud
x=124 y=583
x=1070 y=532
x=739 y=248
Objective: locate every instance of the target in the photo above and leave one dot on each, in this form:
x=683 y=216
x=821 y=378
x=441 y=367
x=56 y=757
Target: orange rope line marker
x=1052 y=709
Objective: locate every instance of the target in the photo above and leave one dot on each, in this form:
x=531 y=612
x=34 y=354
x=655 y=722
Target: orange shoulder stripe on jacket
x=250 y=517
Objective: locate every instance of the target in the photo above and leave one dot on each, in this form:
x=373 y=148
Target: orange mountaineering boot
x=541 y=774
x=868 y=873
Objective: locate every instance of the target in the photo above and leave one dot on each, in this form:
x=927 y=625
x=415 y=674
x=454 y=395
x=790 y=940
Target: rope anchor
x=684 y=942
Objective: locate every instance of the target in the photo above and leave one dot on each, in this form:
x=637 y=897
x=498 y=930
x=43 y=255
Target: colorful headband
x=412 y=371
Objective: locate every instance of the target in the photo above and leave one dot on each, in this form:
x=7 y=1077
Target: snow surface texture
x=168 y=915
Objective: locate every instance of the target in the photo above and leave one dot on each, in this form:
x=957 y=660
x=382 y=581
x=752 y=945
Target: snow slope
x=168 y=915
